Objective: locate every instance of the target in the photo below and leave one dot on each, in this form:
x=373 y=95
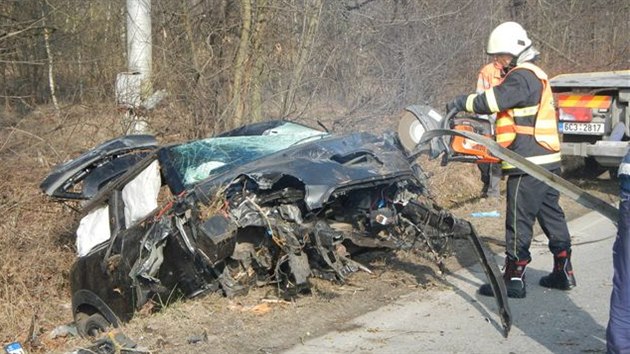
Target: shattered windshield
x=197 y=160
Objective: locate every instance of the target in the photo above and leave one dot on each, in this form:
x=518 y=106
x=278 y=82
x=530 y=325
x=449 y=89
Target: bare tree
x=242 y=54
x=310 y=23
x=229 y=62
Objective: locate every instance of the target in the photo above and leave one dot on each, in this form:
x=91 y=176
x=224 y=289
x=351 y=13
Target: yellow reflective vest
x=545 y=129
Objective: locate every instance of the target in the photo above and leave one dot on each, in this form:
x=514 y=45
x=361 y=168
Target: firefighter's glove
x=458 y=104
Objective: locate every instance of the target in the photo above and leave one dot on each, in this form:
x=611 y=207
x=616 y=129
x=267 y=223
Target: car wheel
x=91 y=325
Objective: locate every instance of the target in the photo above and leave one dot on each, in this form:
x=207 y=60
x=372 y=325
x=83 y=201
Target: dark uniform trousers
x=618 y=330
x=528 y=200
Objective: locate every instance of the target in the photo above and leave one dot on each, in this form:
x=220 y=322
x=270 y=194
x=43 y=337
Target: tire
x=613 y=172
x=91 y=326
x=581 y=167
x=592 y=169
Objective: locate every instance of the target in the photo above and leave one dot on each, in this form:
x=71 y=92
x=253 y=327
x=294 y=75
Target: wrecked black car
x=269 y=203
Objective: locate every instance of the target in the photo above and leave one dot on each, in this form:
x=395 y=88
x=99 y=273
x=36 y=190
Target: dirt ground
x=36 y=252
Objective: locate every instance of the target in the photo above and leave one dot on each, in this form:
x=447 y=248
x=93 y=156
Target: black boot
x=562 y=275
x=514 y=278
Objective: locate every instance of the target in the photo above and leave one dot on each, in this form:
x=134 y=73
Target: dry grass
x=36 y=236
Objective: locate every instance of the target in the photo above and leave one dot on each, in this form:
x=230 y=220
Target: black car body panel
x=95 y=168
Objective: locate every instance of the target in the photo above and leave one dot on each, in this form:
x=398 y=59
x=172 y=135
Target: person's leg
x=484 y=170
x=618 y=330
x=522 y=203
x=494 y=181
x=524 y=199
x=552 y=220
x=553 y=223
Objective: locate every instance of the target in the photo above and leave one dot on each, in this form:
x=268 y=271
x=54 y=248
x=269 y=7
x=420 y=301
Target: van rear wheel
x=581 y=167
x=613 y=172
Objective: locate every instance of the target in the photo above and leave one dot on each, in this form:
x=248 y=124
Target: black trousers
x=618 y=331
x=491 y=179
x=528 y=200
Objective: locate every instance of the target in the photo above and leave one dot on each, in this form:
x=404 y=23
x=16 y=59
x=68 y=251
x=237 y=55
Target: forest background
x=225 y=63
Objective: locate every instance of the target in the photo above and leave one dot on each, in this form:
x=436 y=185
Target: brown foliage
x=368 y=57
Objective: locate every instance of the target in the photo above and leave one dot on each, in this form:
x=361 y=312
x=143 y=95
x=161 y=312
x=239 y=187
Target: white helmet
x=508 y=38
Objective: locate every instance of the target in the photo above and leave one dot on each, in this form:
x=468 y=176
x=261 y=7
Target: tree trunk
x=310 y=24
x=259 y=60
x=51 y=77
x=238 y=91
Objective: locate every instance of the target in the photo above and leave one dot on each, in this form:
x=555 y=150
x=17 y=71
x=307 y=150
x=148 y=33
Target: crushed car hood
x=326 y=165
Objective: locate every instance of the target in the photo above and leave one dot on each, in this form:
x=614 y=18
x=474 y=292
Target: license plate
x=581 y=128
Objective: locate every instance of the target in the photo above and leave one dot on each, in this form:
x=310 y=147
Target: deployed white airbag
x=140 y=195
x=93 y=230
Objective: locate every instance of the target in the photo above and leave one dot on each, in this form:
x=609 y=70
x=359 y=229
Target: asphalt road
x=462 y=321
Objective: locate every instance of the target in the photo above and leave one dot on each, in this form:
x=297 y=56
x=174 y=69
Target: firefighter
x=490 y=75
x=618 y=331
x=526 y=124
